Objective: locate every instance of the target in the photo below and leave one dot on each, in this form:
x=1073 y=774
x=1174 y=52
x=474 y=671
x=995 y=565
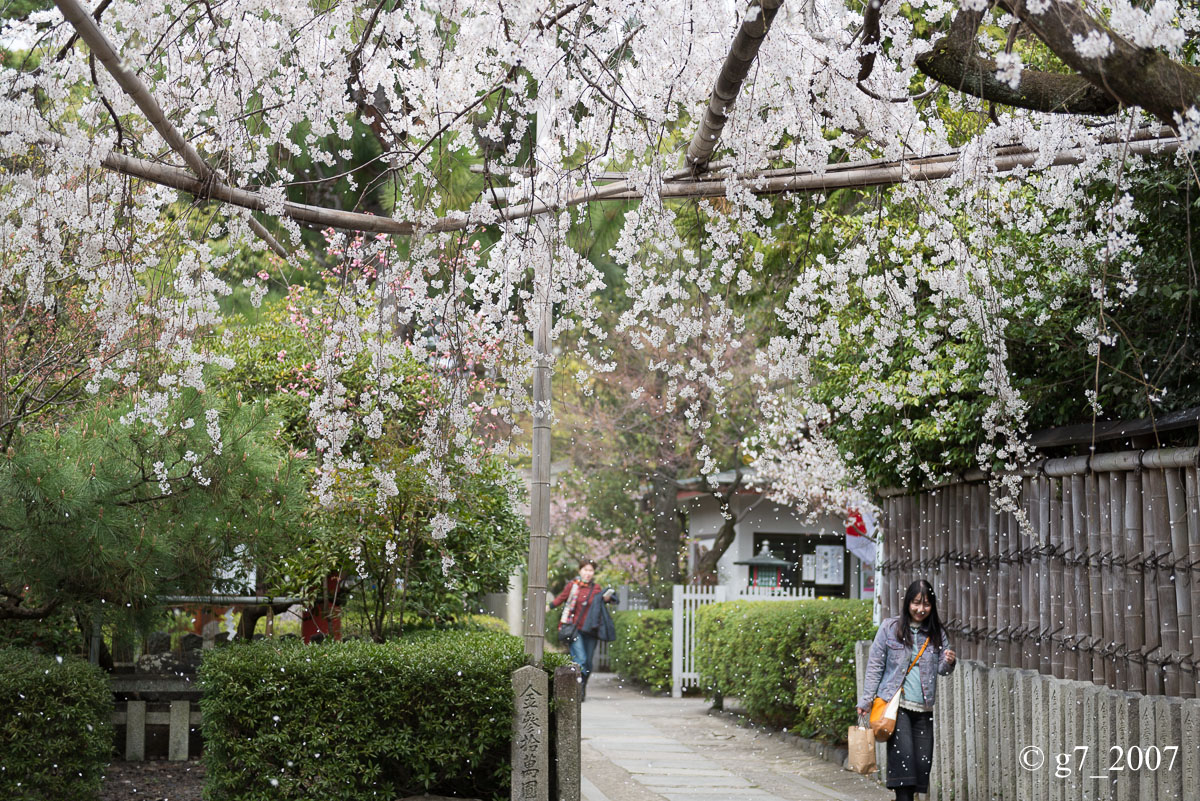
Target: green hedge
x=790 y=663
x=642 y=649
x=431 y=712
x=55 y=727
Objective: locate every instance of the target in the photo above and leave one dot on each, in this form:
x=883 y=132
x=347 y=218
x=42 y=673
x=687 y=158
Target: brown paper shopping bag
x=862 y=750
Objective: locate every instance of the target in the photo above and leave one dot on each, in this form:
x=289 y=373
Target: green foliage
x=642 y=649
x=55 y=731
x=431 y=712
x=57 y=634
x=122 y=512
x=791 y=663
x=1150 y=366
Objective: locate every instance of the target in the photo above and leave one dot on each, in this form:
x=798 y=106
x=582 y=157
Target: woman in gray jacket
x=898 y=641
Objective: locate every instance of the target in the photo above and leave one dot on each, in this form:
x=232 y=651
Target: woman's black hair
x=591 y=562
x=932 y=627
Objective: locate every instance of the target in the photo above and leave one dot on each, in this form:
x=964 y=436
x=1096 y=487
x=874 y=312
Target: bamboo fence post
x=1045 y=586
x=891 y=514
x=936 y=553
x=1004 y=609
x=1080 y=597
x=1175 y=616
x=978 y=535
x=1179 y=565
x=1029 y=655
x=1025 y=576
x=1154 y=523
x=1095 y=607
x=1070 y=632
x=1058 y=652
x=1104 y=568
x=1135 y=599
x=1116 y=566
x=1016 y=611
x=987 y=540
x=963 y=572
x=974 y=579
x=1192 y=481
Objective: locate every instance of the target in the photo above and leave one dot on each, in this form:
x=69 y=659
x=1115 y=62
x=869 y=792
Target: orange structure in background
x=324 y=617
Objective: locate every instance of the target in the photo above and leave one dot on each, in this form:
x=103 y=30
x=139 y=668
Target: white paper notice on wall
x=830 y=567
x=808 y=567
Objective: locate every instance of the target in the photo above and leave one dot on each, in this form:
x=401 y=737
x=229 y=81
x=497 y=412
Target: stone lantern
x=765 y=570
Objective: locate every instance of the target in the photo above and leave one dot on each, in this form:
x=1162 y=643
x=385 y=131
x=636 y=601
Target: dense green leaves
x=642 y=649
x=55 y=730
x=431 y=712
x=122 y=511
x=790 y=663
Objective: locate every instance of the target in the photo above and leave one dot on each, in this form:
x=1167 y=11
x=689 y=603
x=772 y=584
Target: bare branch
x=90 y=32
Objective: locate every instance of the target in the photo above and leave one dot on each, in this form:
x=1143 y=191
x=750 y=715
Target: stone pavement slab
x=640 y=747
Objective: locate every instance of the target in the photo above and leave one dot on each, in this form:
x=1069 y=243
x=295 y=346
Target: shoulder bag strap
x=918 y=657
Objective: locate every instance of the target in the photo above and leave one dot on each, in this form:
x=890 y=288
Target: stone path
x=639 y=747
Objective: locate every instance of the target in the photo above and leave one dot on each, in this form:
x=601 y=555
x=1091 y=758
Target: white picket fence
x=684 y=603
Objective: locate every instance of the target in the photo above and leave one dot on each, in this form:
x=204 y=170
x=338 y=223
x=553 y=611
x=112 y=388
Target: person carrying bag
x=910 y=651
x=585 y=620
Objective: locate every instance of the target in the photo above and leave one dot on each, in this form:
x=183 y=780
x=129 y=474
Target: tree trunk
x=706 y=568
x=251 y=615
x=667 y=535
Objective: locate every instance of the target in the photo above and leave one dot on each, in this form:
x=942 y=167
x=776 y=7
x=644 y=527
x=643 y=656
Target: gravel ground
x=153 y=780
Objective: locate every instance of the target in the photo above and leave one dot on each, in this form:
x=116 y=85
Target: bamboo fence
x=1090 y=573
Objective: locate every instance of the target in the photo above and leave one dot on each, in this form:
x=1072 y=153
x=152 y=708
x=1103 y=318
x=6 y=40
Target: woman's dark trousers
x=910 y=754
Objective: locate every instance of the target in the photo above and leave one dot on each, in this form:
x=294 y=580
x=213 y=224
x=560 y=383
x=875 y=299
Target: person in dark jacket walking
x=585 y=607
x=899 y=641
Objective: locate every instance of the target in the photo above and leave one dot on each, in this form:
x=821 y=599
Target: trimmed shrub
x=431 y=712
x=55 y=731
x=642 y=650
x=791 y=663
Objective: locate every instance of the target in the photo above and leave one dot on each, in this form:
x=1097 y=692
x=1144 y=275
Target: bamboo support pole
x=1078 y=582
x=742 y=53
x=89 y=31
x=1180 y=574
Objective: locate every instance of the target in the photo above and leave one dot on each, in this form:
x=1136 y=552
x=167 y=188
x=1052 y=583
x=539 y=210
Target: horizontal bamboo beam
x=1075 y=465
